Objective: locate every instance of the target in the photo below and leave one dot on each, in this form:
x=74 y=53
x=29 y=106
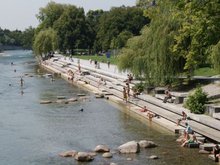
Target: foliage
x=149 y=54
x=196 y=101
x=72 y=29
x=45 y=42
x=139 y=87
x=198 y=32
x=182 y=36
x=49 y=15
x=117 y=21
x=120 y=40
x=17 y=38
x=215 y=56
x=28 y=38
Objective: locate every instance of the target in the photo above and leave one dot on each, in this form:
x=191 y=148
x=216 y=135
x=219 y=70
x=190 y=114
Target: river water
x=34 y=134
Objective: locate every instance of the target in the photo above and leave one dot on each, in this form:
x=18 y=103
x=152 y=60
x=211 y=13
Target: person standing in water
x=22 y=81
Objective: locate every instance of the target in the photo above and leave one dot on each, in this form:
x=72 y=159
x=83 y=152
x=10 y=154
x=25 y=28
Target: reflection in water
x=32 y=133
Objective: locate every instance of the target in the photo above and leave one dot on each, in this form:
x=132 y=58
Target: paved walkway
x=202 y=124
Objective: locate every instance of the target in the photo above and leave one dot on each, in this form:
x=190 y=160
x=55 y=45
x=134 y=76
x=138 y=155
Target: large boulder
x=129 y=147
x=83 y=157
x=71 y=153
x=147 y=144
x=101 y=148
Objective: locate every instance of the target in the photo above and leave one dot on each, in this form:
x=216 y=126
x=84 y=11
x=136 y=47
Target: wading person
x=21 y=81
x=125 y=97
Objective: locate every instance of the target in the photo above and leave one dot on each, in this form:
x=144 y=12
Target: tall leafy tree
x=117 y=20
x=45 y=42
x=49 y=15
x=28 y=37
x=149 y=54
x=199 y=30
x=92 y=18
x=72 y=29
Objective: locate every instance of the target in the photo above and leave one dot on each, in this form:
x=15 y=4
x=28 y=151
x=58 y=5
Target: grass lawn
x=206 y=71
x=112 y=59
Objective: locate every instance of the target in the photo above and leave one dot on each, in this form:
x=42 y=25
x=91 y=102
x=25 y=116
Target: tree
x=72 y=29
x=149 y=54
x=28 y=38
x=45 y=42
x=117 y=20
x=49 y=15
x=92 y=17
x=199 y=31
x=120 y=41
x=215 y=56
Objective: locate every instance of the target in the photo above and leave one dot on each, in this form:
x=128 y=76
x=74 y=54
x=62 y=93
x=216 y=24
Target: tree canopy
x=17 y=38
x=94 y=31
x=182 y=36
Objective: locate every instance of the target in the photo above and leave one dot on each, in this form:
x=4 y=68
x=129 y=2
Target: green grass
x=206 y=71
x=113 y=60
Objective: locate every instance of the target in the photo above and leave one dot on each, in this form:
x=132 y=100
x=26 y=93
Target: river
x=34 y=134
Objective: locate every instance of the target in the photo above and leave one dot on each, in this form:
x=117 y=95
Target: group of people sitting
x=189 y=136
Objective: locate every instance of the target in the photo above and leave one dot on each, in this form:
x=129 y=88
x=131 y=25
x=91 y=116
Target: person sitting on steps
x=167 y=96
x=184 y=117
x=144 y=109
x=216 y=152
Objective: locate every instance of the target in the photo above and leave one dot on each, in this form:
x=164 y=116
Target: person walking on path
x=108 y=64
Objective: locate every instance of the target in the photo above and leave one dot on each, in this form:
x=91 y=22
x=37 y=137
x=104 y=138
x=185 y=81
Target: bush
x=139 y=87
x=195 y=103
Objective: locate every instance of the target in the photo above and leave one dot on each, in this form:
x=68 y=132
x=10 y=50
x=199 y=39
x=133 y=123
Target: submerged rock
x=83 y=157
x=147 y=144
x=61 y=97
x=129 y=147
x=45 y=102
x=71 y=153
x=72 y=99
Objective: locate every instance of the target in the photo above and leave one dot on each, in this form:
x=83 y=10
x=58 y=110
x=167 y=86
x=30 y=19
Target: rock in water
x=129 y=147
x=71 y=153
x=153 y=157
x=45 y=102
x=83 y=157
x=102 y=148
x=107 y=155
x=147 y=144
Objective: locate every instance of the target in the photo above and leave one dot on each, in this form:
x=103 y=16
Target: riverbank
x=168 y=113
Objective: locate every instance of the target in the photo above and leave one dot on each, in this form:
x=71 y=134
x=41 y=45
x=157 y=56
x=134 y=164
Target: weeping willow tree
x=215 y=56
x=45 y=42
x=149 y=54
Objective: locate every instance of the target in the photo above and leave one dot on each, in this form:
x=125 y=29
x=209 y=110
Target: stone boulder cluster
x=130 y=147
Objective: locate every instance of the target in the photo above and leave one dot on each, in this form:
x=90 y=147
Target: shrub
x=195 y=103
x=138 y=87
